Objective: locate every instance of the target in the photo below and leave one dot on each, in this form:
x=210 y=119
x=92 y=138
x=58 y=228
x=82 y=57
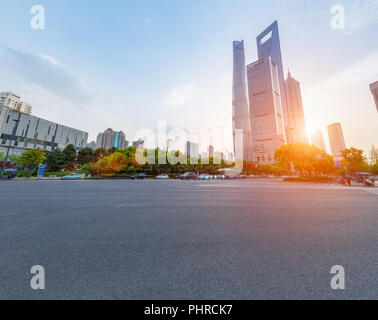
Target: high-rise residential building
x=268 y=45
x=297 y=122
x=105 y=139
x=13 y=101
x=240 y=108
x=192 y=149
x=317 y=139
x=20 y=132
x=374 y=91
x=268 y=131
x=119 y=140
x=336 y=139
x=112 y=139
x=211 y=151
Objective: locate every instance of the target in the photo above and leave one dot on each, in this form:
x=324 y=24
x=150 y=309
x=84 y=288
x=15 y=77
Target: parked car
x=189 y=176
x=163 y=176
x=204 y=176
x=73 y=176
x=139 y=176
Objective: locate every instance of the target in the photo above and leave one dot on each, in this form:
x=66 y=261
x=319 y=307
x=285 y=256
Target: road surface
x=254 y=239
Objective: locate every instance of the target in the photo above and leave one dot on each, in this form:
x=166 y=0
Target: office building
x=20 y=132
x=112 y=139
x=268 y=45
x=240 y=108
x=267 y=123
x=13 y=101
x=297 y=122
x=317 y=139
x=336 y=139
x=192 y=149
x=374 y=91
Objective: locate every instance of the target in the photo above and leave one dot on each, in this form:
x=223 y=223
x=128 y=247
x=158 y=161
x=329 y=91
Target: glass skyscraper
x=268 y=45
x=240 y=108
x=268 y=133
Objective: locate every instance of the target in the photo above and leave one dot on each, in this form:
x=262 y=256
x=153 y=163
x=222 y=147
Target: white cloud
x=181 y=95
x=57 y=94
x=50 y=59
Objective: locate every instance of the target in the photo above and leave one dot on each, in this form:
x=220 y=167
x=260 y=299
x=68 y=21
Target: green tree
x=55 y=160
x=355 y=160
x=69 y=154
x=85 y=156
x=307 y=159
x=31 y=159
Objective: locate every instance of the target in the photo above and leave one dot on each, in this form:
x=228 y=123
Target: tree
x=31 y=159
x=306 y=159
x=55 y=160
x=373 y=155
x=85 y=156
x=69 y=154
x=355 y=160
x=117 y=162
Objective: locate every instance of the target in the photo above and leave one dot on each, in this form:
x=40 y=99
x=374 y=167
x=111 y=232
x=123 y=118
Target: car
x=189 y=176
x=204 y=176
x=163 y=176
x=139 y=176
x=73 y=176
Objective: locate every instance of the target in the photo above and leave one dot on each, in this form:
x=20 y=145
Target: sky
x=127 y=65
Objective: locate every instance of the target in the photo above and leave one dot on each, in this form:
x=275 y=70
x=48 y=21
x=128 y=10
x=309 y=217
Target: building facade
x=374 y=91
x=336 y=139
x=268 y=45
x=192 y=149
x=267 y=123
x=13 y=101
x=112 y=139
x=317 y=139
x=297 y=128
x=20 y=132
x=240 y=107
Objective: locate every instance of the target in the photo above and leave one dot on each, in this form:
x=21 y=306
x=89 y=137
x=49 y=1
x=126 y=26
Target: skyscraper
x=297 y=120
x=268 y=132
x=240 y=109
x=317 y=139
x=111 y=139
x=336 y=139
x=374 y=91
x=268 y=45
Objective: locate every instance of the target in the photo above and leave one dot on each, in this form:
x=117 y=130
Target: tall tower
x=268 y=132
x=298 y=132
x=240 y=108
x=317 y=140
x=268 y=45
x=336 y=139
x=374 y=91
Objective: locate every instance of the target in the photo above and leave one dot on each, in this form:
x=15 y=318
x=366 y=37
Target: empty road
x=256 y=239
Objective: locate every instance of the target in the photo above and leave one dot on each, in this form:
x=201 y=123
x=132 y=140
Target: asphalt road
x=187 y=240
